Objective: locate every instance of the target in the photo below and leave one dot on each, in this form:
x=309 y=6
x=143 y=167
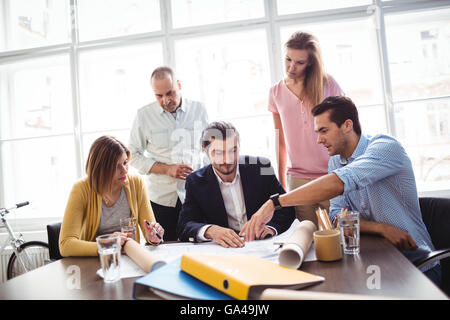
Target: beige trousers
x=306 y=212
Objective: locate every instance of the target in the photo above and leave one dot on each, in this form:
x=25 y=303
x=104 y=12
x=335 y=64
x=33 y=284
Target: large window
x=36 y=98
x=41 y=171
x=187 y=13
x=99 y=19
x=419 y=63
x=72 y=70
x=295 y=6
x=37 y=154
x=114 y=83
x=229 y=72
x=27 y=24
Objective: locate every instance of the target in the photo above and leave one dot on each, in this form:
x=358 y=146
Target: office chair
x=53 y=240
x=436 y=216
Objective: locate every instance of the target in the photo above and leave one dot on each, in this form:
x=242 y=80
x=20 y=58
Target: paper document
x=264 y=249
x=128 y=269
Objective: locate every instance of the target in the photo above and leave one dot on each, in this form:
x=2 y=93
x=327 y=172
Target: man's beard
x=225 y=171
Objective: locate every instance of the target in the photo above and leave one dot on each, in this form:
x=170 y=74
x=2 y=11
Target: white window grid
x=272 y=22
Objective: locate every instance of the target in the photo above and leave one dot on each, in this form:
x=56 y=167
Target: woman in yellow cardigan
x=98 y=202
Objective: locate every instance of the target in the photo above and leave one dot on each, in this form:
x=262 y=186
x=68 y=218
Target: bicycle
x=26 y=256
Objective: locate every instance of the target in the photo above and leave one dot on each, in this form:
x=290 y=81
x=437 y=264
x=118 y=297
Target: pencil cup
x=327 y=244
x=109 y=253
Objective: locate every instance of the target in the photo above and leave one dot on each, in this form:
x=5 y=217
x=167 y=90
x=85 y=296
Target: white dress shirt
x=234 y=202
x=158 y=136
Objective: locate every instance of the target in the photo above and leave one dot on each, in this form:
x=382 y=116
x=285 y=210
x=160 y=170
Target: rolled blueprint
x=145 y=259
x=295 y=248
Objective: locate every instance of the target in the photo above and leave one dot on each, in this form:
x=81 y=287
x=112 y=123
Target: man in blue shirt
x=372 y=175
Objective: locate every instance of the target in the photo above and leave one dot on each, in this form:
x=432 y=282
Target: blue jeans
x=434 y=274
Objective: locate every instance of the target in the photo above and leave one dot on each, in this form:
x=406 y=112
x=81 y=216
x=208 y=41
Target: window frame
x=272 y=22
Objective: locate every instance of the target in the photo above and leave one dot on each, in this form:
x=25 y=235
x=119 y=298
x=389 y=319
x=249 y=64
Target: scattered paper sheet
x=265 y=249
x=128 y=269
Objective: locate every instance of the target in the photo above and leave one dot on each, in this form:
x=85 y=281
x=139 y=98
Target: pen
x=279 y=244
x=154 y=230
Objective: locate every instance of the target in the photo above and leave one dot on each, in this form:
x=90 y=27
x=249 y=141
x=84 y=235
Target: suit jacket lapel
x=248 y=188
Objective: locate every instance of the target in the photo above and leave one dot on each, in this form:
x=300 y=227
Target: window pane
x=41 y=171
x=257 y=136
x=295 y=6
x=114 y=83
x=36 y=98
x=424 y=130
x=29 y=24
x=228 y=72
x=418 y=51
x=372 y=119
x=105 y=19
x=188 y=13
x=349 y=53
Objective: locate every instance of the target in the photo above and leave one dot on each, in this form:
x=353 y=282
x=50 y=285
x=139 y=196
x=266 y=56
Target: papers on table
x=128 y=269
x=264 y=249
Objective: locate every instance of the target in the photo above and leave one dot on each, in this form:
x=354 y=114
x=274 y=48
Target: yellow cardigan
x=83 y=212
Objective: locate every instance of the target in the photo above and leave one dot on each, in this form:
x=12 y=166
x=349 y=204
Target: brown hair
x=341 y=108
x=315 y=76
x=220 y=130
x=102 y=161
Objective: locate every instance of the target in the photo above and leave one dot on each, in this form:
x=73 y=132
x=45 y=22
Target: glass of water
x=128 y=225
x=109 y=253
x=349 y=227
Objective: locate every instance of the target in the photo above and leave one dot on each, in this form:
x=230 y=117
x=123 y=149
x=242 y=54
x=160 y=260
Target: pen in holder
x=323 y=220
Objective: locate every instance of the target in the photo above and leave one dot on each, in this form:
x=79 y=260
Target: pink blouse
x=308 y=159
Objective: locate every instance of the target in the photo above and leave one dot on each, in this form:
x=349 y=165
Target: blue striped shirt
x=379 y=183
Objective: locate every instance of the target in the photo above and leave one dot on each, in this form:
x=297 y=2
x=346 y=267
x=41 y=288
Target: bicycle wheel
x=32 y=255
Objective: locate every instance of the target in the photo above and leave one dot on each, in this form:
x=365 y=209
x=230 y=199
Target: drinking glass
x=349 y=227
x=128 y=225
x=109 y=253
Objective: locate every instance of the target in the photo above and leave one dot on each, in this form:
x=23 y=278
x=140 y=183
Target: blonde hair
x=102 y=162
x=315 y=77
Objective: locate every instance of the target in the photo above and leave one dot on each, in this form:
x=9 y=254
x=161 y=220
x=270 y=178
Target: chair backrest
x=53 y=240
x=436 y=216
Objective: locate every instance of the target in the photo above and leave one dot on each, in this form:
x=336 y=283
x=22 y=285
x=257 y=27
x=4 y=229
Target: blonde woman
x=291 y=101
x=98 y=202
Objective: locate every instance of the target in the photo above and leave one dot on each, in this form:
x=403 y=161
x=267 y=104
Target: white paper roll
x=295 y=248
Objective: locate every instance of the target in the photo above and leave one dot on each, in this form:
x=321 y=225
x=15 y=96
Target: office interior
x=74 y=70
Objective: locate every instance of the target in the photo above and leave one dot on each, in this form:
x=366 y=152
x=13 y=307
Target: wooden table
x=353 y=274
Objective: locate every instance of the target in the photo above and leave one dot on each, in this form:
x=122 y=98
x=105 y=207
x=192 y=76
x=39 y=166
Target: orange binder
x=244 y=277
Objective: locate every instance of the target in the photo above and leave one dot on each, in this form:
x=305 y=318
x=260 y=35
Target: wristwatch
x=276 y=201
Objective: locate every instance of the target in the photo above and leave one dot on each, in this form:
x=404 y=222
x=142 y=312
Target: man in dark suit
x=221 y=197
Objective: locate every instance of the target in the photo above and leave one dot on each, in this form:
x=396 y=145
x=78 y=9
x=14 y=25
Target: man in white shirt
x=221 y=197
x=163 y=144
